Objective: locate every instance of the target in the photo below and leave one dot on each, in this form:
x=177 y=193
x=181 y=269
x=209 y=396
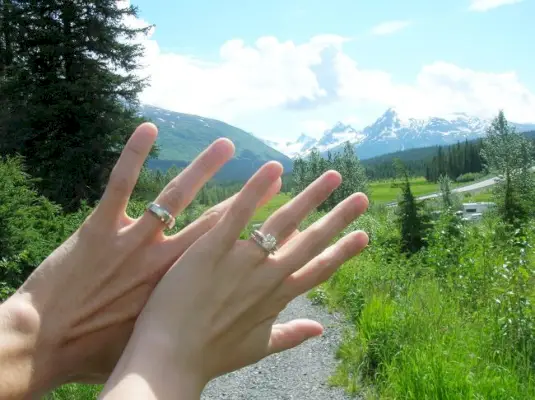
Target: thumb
x=291 y=334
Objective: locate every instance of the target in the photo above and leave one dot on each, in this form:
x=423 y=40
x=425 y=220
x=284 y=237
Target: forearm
x=139 y=385
x=145 y=373
x=24 y=373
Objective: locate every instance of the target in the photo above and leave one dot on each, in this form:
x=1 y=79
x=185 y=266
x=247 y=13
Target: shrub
x=469 y=177
x=31 y=227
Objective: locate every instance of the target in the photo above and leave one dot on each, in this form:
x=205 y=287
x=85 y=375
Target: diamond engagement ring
x=162 y=214
x=267 y=242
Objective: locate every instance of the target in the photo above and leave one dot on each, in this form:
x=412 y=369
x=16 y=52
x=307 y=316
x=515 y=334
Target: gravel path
x=297 y=374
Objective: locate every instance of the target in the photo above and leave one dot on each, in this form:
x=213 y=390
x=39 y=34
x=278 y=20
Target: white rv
x=474 y=211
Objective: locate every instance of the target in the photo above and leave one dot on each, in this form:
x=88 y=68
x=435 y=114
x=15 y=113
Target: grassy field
x=388 y=191
x=264 y=212
x=454 y=321
x=481 y=196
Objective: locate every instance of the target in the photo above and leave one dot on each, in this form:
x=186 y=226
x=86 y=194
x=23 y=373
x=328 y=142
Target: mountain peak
x=394 y=131
x=303 y=138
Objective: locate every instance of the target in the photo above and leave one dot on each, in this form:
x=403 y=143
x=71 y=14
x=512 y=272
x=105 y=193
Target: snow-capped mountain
x=330 y=139
x=390 y=133
x=302 y=145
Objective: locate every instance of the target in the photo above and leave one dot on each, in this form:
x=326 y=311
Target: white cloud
x=273 y=86
x=485 y=5
x=315 y=127
x=389 y=27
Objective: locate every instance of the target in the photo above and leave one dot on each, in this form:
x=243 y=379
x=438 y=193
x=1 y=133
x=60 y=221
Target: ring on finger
x=266 y=241
x=162 y=214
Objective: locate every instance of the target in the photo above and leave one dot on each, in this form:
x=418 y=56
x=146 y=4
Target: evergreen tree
x=69 y=91
x=413 y=221
x=449 y=200
x=299 y=174
x=510 y=155
x=354 y=178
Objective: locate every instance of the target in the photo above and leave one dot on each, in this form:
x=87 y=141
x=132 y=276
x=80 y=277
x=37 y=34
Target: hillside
x=417 y=154
x=183 y=136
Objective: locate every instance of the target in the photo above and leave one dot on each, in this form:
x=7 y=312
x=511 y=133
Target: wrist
x=148 y=370
x=27 y=369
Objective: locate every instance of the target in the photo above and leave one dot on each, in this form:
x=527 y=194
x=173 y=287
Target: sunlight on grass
x=273 y=205
x=481 y=196
x=75 y=392
x=387 y=191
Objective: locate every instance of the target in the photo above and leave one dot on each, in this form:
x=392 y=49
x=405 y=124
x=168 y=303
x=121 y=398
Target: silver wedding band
x=267 y=242
x=162 y=214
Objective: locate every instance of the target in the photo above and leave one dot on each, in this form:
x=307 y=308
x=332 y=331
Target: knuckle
x=174 y=197
x=212 y=216
x=324 y=262
x=119 y=183
x=321 y=195
x=135 y=150
x=315 y=231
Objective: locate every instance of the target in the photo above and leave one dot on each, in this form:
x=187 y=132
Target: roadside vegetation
x=441 y=308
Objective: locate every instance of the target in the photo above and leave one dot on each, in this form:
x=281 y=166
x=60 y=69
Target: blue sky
x=282 y=67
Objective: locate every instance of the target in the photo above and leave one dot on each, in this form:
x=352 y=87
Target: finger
x=182 y=190
x=291 y=334
x=223 y=236
x=178 y=243
x=292 y=235
x=317 y=237
x=125 y=173
x=324 y=265
x=286 y=219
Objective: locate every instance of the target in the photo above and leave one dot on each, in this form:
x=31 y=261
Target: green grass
x=454 y=321
x=386 y=191
x=481 y=196
x=269 y=208
x=75 y=392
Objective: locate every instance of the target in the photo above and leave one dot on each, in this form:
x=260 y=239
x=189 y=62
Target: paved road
x=474 y=187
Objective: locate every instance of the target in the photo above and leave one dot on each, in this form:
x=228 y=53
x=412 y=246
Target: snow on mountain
x=292 y=149
x=392 y=132
x=331 y=138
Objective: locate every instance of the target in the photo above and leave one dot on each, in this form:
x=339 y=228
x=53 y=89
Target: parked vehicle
x=474 y=211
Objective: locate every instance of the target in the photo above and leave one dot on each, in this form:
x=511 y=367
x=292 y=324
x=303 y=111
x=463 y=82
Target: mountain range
x=392 y=133
x=181 y=137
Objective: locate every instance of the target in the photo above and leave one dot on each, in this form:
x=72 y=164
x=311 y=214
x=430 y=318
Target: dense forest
x=454 y=161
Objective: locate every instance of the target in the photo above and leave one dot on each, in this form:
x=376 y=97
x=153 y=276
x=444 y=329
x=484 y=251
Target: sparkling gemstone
x=270 y=241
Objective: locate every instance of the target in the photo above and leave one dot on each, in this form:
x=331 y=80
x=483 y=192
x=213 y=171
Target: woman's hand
x=214 y=311
x=72 y=318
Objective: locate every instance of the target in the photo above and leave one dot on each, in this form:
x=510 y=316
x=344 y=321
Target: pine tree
x=449 y=200
x=71 y=91
x=413 y=221
x=299 y=174
x=354 y=178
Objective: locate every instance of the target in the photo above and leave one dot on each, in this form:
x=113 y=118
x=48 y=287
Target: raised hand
x=77 y=310
x=214 y=311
